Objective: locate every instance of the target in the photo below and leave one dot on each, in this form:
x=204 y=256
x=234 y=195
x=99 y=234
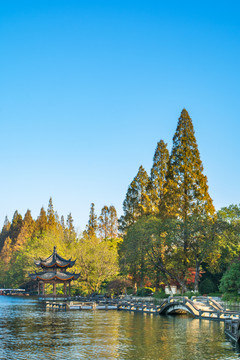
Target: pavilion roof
x=55 y=260
x=54 y=275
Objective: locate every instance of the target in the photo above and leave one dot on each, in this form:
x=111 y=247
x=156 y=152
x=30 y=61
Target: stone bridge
x=198 y=307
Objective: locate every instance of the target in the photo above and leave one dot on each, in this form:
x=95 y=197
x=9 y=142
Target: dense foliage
x=172 y=234
x=24 y=240
x=169 y=233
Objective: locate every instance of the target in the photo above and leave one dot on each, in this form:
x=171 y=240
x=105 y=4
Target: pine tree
x=92 y=222
x=137 y=201
x=186 y=189
x=158 y=175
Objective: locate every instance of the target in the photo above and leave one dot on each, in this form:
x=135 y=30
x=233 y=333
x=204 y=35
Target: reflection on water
x=29 y=332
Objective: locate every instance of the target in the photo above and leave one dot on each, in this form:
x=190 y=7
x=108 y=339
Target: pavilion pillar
x=38 y=288
x=43 y=288
x=65 y=288
x=69 y=289
x=54 y=289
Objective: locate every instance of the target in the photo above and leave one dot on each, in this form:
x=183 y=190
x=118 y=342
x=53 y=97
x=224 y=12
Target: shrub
x=119 y=286
x=160 y=295
x=231 y=297
x=145 y=291
x=207 y=286
x=230 y=282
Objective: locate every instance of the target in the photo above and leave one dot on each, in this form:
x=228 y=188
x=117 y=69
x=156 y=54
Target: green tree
x=26 y=232
x=230 y=214
x=6 y=253
x=158 y=175
x=62 y=221
x=70 y=234
x=97 y=263
x=5 y=258
x=51 y=218
x=108 y=223
x=186 y=189
x=230 y=282
x=41 y=222
x=92 y=225
x=5 y=232
x=16 y=226
x=153 y=248
x=229 y=218
x=137 y=201
x=204 y=239
x=103 y=223
x=113 y=222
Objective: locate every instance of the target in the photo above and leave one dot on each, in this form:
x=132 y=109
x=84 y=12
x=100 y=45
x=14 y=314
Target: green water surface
x=27 y=331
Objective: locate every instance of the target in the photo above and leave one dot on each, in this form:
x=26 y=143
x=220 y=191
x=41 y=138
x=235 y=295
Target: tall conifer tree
x=70 y=233
x=51 y=218
x=26 y=232
x=92 y=222
x=103 y=222
x=41 y=222
x=137 y=201
x=113 y=222
x=108 y=223
x=16 y=226
x=186 y=189
x=158 y=175
x=5 y=232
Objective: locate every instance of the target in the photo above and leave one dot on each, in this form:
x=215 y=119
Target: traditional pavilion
x=54 y=272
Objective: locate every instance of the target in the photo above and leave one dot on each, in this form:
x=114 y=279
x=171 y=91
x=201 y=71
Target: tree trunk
x=157 y=280
x=142 y=270
x=135 y=287
x=197 y=275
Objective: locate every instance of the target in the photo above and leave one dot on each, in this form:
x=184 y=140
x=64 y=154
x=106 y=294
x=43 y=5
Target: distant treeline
x=26 y=239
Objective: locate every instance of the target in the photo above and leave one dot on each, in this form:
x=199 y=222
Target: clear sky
x=88 y=88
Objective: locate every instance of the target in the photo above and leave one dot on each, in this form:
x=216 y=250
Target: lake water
x=27 y=331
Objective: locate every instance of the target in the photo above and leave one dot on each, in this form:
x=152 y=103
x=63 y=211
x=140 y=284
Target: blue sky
x=88 y=88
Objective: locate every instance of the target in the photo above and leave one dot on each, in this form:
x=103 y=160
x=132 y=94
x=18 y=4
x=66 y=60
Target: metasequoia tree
x=69 y=231
x=5 y=232
x=137 y=201
x=113 y=222
x=92 y=222
x=41 y=222
x=103 y=223
x=158 y=175
x=26 y=231
x=108 y=223
x=186 y=189
x=16 y=226
x=51 y=218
